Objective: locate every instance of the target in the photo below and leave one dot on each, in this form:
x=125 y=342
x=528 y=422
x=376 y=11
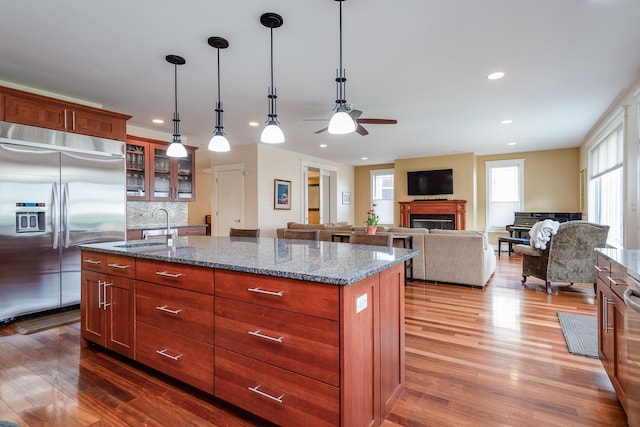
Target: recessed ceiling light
x=495 y=76
x=158 y=121
x=511 y=143
x=254 y=124
x=365 y=158
x=323 y=145
x=507 y=122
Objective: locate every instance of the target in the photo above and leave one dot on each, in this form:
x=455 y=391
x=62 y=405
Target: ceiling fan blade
x=321 y=130
x=361 y=130
x=378 y=121
x=355 y=114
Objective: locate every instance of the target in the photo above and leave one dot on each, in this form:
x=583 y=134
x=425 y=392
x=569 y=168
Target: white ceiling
x=422 y=62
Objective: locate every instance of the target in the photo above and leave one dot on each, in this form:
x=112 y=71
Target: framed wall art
x=346 y=197
x=281 y=194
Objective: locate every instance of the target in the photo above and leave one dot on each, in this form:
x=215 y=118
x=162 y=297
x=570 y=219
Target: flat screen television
x=430 y=183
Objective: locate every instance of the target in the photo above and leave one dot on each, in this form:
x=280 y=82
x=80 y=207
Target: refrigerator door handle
x=65 y=214
x=55 y=218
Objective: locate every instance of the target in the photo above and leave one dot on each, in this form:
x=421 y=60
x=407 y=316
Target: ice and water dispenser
x=30 y=217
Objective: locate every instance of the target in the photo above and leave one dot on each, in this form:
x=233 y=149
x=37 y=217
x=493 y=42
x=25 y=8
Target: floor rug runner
x=42 y=323
x=581 y=333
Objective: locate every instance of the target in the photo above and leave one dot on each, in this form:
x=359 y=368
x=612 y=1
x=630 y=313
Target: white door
x=229 y=199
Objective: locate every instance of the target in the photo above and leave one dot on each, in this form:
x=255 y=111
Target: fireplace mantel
x=458 y=208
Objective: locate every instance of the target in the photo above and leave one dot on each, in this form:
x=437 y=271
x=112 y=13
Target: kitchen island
x=297 y=332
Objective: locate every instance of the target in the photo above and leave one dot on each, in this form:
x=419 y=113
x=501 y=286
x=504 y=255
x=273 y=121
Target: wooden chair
x=381 y=239
x=301 y=234
x=244 y=232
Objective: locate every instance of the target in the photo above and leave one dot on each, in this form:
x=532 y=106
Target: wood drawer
x=118 y=265
x=603 y=268
x=184 y=276
x=175 y=310
x=294 y=400
x=618 y=279
x=192 y=230
x=302 y=344
x=313 y=299
x=94 y=261
x=183 y=358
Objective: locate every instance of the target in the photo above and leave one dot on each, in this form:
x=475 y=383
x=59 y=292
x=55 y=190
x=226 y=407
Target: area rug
x=41 y=323
x=581 y=333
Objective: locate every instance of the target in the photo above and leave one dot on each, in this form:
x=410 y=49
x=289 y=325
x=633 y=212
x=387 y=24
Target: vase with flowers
x=372 y=220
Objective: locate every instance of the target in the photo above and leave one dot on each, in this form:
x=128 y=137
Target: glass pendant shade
x=219 y=143
x=176 y=149
x=341 y=123
x=272 y=134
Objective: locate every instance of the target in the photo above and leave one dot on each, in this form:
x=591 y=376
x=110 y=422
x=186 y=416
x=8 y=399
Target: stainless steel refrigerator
x=57 y=190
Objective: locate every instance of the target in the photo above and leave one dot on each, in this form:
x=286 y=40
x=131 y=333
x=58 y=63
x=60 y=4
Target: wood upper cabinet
x=36 y=110
x=152 y=175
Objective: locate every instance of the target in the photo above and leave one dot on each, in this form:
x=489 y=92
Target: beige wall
x=361 y=196
x=551 y=182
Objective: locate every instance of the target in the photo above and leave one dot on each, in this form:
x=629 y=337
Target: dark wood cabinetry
x=152 y=175
x=36 y=110
x=612 y=311
x=107 y=301
x=297 y=353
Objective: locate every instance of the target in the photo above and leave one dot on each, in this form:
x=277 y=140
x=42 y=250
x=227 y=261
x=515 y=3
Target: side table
x=406 y=240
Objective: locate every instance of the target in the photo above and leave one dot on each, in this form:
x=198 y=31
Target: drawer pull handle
x=601 y=269
x=167 y=274
x=613 y=281
x=122 y=267
x=266 y=337
x=91 y=261
x=164 y=353
x=262 y=291
x=262 y=393
x=167 y=310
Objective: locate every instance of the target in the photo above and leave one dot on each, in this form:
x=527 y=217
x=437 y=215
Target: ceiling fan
x=355 y=115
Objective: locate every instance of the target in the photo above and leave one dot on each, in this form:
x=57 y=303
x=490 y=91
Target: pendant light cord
x=218 y=75
x=272 y=90
x=176 y=118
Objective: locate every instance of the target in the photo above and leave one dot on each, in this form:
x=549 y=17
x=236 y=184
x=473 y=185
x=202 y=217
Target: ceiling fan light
x=176 y=149
x=219 y=143
x=341 y=123
x=272 y=134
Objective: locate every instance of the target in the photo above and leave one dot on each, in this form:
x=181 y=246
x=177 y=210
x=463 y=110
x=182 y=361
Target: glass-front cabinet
x=152 y=175
x=137 y=185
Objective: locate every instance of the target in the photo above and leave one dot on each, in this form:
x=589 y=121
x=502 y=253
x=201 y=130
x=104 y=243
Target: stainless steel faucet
x=169 y=234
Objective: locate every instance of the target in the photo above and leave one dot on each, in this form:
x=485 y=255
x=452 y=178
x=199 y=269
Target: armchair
x=569 y=257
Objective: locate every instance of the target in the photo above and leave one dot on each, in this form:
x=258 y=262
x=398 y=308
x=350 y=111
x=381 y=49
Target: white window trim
x=372 y=174
x=490 y=164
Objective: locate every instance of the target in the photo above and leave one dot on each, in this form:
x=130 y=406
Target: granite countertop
x=628 y=258
x=318 y=261
x=162 y=227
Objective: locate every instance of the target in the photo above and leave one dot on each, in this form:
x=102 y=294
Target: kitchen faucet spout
x=167 y=214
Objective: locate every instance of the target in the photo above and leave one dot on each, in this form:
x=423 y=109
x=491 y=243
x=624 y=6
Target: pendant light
x=176 y=149
x=272 y=134
x=218 y=141
x=341 y=122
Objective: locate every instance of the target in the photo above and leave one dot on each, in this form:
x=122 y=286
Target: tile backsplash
x=139 y=214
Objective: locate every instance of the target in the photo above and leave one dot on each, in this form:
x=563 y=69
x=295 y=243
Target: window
x=382 y=195
x=505 y=192
x=606 y=185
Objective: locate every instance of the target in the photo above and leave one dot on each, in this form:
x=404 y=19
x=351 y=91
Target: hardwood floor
x=474 y=357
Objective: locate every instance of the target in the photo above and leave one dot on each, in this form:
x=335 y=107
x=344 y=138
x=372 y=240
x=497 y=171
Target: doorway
x=319 y=193
x=228 y=182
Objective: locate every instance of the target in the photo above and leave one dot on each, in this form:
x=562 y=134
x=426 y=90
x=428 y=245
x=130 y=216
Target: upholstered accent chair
x=569 y=256
x=244 y=232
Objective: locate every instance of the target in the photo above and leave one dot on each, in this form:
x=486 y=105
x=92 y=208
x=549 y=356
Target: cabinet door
x=119 y=302
x=96 y=123
x=160 y=173
x=91 y=312
x=137 y=170
x=184 y=182
x=35 y=112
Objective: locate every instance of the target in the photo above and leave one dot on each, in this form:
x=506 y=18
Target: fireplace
x=443 y=214
x=429 y=221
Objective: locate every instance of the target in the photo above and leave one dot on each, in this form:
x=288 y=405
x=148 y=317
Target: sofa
x=449 y=256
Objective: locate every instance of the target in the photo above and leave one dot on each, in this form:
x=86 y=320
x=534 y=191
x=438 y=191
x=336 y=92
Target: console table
x=457 y=208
